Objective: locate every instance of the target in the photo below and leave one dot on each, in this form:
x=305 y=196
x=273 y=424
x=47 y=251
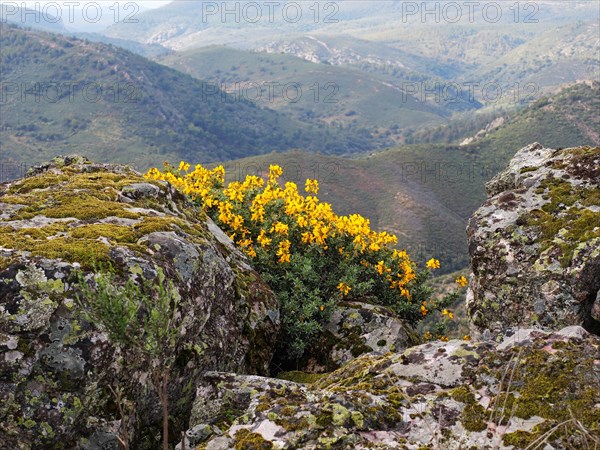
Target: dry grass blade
x=543 y=439
x=435 y=434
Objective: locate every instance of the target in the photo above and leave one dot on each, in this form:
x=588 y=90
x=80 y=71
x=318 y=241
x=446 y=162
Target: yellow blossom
x=307 y=237
x=312 y=187
x=450 y=314
x=462 y=281
x=275 y=172
x=237 y=222
x=280 y=228
x=302 y=221
x=433 y=264
x=381 y=268
x=344 y=288
x=262 y=239
x=283 y=251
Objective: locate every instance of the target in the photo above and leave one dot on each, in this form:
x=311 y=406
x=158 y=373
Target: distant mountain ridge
x=64 y=95
x=330 y=93
x=390 y=40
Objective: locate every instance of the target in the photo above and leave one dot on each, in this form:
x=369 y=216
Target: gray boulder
x=534 y=244
x=57 y=370
x=451 y=395
x=356 y=328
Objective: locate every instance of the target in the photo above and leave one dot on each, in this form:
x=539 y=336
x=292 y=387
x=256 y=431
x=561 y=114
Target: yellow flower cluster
x=432 y=264
x=428 y=337
x=450 y=314
x=461 y=281
x=262 y=216
x=344 y=288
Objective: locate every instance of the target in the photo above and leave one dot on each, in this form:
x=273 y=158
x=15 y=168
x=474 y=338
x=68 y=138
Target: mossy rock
x=57 y=369
x=489 y=396
x=534 y=248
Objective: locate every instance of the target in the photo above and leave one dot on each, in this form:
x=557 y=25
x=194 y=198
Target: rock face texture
x=535 y=243
x=357 y=328
x=451 y=395
x=57 y=370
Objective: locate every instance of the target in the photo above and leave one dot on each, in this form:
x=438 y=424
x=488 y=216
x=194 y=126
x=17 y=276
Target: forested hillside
x=65 y=95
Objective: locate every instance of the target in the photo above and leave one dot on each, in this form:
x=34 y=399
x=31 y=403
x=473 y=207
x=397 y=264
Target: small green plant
x=143 y=317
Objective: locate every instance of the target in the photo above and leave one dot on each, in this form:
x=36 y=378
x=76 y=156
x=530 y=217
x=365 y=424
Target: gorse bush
x=311 y=257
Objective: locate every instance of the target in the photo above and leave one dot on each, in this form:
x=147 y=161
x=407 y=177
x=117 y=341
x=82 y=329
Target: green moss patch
x=528 y=169
x=300 y=377
x=44 y=181
x=554 y=386
x=473 y=416
x=244 y=439
x=583 y=163
x=579 y=223
x=84 y=196
x=81 y=244
x=5 y=262
x=84 y=206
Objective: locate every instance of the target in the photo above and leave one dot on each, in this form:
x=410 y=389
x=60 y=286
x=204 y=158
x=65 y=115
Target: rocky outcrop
x=57 y=370
x=451 y=395
x=356 y=328
x=535 y=243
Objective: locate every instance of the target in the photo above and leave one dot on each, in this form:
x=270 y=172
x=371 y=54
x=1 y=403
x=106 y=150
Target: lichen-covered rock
x=535 y=243
x=56 y=369
x=451 y=395
x=357 y=328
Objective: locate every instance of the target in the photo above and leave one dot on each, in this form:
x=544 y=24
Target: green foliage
x=144 y=318
x=311 y=257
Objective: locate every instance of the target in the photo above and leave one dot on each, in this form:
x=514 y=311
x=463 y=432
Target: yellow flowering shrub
x=462 y=281
x=311 y=257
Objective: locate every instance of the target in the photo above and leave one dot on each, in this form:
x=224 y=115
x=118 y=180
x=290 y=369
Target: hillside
x=547 y=61
x=346 y=96
x=544 y=42
x=184 y=24
x=426 y=192
x=64 y=95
